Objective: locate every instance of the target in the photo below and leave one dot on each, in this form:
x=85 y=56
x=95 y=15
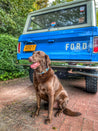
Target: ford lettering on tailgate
x=77 y=46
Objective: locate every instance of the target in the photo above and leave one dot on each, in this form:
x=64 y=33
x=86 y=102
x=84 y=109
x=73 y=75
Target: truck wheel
x=91 y=84
x=61 y=74
x=31 y=74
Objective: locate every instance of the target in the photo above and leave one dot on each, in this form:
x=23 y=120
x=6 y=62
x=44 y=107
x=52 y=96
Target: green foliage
x=60 y=1
x=69 y=0
x=8 y=47
x=13 y=15
x=8 y=58
x=11 y=75
x=39 y=4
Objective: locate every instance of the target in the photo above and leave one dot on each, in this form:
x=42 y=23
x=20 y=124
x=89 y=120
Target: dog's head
x=39 y=58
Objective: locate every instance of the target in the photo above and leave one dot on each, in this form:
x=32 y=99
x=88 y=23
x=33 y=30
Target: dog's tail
x=71 y=113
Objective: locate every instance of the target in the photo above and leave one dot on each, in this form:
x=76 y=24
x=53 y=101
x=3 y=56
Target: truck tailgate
x=72 y=44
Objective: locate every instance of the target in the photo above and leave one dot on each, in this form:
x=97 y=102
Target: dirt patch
x=17 y=115
x=16 y=104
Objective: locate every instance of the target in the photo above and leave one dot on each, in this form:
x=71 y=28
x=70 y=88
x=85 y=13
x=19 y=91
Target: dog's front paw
x=47 y=121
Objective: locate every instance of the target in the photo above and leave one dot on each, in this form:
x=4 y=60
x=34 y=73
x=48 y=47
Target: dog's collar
x=44 y=71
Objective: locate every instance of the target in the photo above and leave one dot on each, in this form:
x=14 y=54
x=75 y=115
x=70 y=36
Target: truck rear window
x=62 y=18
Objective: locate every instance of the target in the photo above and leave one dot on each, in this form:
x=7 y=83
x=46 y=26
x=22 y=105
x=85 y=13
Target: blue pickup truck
x=68 y=34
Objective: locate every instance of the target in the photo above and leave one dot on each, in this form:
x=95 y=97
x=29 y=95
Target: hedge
x=8 y=58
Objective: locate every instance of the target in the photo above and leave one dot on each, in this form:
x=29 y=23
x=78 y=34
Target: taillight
x=95 y=49
x=19 y=47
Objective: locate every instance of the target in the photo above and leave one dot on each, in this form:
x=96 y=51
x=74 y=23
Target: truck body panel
x=71 y=44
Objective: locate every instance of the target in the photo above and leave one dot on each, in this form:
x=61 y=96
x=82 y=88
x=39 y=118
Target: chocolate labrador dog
x=48 y=87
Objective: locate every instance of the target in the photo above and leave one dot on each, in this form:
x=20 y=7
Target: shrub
x=8 y=58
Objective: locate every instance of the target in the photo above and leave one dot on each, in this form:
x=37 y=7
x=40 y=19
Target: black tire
x=91 y=83
x=61 y=74
x=31 y=74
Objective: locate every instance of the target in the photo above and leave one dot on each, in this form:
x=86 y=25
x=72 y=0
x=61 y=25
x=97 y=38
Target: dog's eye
x=38 y=53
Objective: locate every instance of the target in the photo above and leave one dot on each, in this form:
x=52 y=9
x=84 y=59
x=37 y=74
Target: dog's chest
x=42 y=91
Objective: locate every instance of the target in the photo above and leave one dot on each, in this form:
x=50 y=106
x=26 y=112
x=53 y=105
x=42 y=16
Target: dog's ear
x=48 y=62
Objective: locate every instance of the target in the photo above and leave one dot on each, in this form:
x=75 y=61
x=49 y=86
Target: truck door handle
x=50 y=41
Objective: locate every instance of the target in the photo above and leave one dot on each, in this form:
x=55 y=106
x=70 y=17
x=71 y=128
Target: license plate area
x=29 y=48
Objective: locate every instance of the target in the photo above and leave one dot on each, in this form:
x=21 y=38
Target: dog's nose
x=30 y=59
